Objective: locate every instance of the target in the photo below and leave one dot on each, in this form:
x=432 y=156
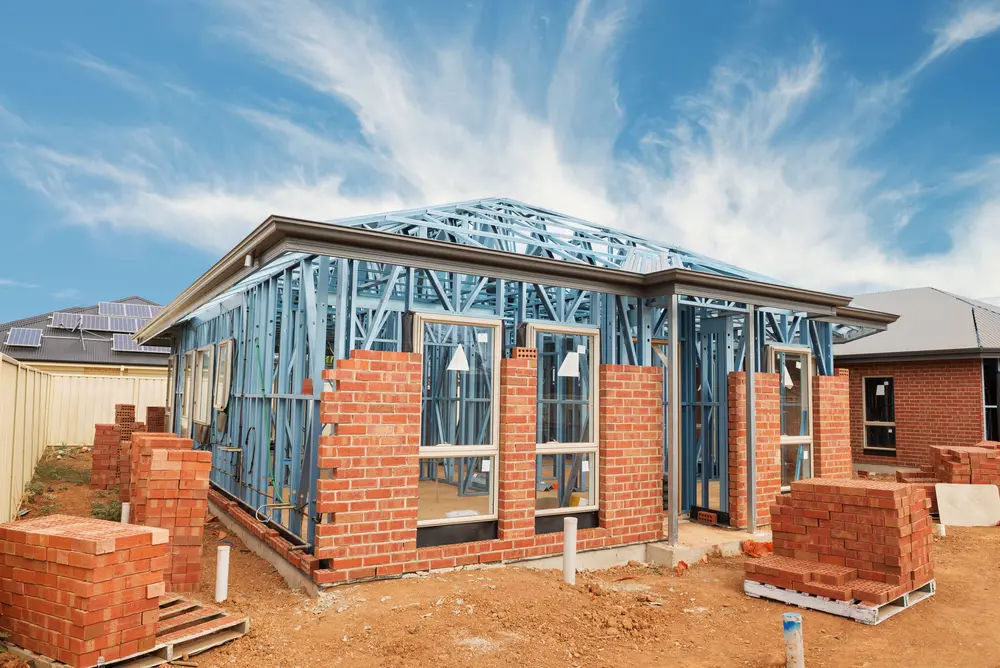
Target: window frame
x=197 y=402
x=532 y=329
x=492 y=451
x=187 y=393
x=773 y=350
x=865 y=422
x=223 y=374
x=171 y=384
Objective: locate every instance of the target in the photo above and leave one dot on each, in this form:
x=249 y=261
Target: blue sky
x=843 y=146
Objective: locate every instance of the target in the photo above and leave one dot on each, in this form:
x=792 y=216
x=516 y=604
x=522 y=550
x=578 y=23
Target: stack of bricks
x=104 y=465
x=81 y=590
x=169 y=489
x=849 y=540
x=156 y=419
x=973 y=465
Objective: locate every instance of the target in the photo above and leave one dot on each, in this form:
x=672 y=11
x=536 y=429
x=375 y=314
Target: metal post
x=674 y=427
x=750 y=367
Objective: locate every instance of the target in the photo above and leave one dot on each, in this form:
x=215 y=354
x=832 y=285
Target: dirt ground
x=628 y=616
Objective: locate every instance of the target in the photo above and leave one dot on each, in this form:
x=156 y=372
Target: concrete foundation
x=697 y=540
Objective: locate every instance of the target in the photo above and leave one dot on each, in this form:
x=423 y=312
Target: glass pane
x=457 y=389
x=796 y=463
x=880 y=402
x=992 y=428
x=990 y=381
x=455 y=487
x=880 y=437
x=565 y=400
x=794 y=400
x=564 y=481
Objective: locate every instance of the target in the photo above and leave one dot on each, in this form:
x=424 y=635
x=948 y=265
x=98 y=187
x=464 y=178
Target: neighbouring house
x=445 y=386
x=90 y=340
x=931 y=378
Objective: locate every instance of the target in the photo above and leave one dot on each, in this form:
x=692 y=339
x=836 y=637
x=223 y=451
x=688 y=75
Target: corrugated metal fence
x=24 y=413
x=38 y=409
x=79 y=402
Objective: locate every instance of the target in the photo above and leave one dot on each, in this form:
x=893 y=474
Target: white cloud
x=763 y=168
x=10 y=283
x=973 y=21
x=117 y=76
x=66 y=293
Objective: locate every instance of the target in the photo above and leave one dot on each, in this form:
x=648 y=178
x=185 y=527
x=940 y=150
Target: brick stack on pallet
x=79 y=590
x=973 y=465
x=849 y=540
x=169 y=489
x=104 y=465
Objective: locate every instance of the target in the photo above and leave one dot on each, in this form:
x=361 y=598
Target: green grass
x=49 y=509
x=51 y=471
x=110 y=510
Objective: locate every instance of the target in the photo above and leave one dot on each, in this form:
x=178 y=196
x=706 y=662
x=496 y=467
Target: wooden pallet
x=859 y=612
x=185 y=628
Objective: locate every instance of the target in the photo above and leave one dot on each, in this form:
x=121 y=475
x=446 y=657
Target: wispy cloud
x=117 y=76
x=10 y=283
x=748 y=169
x=66 y=293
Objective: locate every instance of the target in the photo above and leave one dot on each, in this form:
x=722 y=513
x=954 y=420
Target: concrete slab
x=968 y=505
x=882 y=468
x=590 y=560
x=696 y=540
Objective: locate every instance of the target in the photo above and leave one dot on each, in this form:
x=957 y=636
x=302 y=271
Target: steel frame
x=299 y=314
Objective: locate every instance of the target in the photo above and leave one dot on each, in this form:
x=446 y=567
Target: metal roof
x=931 y=322
x=505 y=239
x=75 y=347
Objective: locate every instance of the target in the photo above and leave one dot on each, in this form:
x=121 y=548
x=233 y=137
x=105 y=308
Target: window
x=459 y=418
x=223 y=374
x=880 y=415
x=566 y=438
x=171 y=385
x=991 y=385
x=187 y=394
x=794 y=368
x=203 y=385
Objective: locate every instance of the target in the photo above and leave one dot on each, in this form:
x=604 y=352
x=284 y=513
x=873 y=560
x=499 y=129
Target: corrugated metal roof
x=930 y=321
x=60 y=345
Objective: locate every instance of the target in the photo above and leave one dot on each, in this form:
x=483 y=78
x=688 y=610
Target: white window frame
x=203 y=403
x=223 y=374
x=532 y=329
x=491 y=451
x=187 y=394
x=864 y=414
x=773 y=351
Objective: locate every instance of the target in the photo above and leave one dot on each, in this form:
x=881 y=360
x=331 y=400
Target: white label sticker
x=798 y=365
x=805 y=454
x=879 y=390
x=586 y=465
x=581 y=350
x=486 y=466
x=890 y=430
x=483 y=337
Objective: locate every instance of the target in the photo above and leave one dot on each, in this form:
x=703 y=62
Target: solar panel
x=123 y=343
x=136 y=310
x=111 y=308
x=21 y=336
x=153 y=310
x=116 y=324
x=65 y=320
x=97 y=323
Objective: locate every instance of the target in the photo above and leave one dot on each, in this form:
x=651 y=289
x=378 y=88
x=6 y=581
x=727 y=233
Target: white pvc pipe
x=794 y=654
x=569 y=550
x=126 y=508
x=222 y=574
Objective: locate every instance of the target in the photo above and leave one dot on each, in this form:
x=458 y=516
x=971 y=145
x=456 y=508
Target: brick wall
x=368 y=498
x=937 y=403
x=832 y=426
x=78 y=589
x=631 y=451
x=369 y=470
x=768 y=446
x=169 y=489
x=518 y=387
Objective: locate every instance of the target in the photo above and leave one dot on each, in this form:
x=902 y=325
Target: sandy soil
x=629 y=616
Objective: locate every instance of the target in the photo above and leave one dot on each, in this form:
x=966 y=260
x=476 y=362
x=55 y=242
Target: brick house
x=930 y=379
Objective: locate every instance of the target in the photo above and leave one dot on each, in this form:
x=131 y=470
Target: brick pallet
x=104 y=465
x=963 y=465
x=156 y=418
x=849 y=540
x=79 y=589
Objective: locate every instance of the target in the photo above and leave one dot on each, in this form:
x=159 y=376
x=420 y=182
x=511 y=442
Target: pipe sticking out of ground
x=569 y=550
x=794 y=654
